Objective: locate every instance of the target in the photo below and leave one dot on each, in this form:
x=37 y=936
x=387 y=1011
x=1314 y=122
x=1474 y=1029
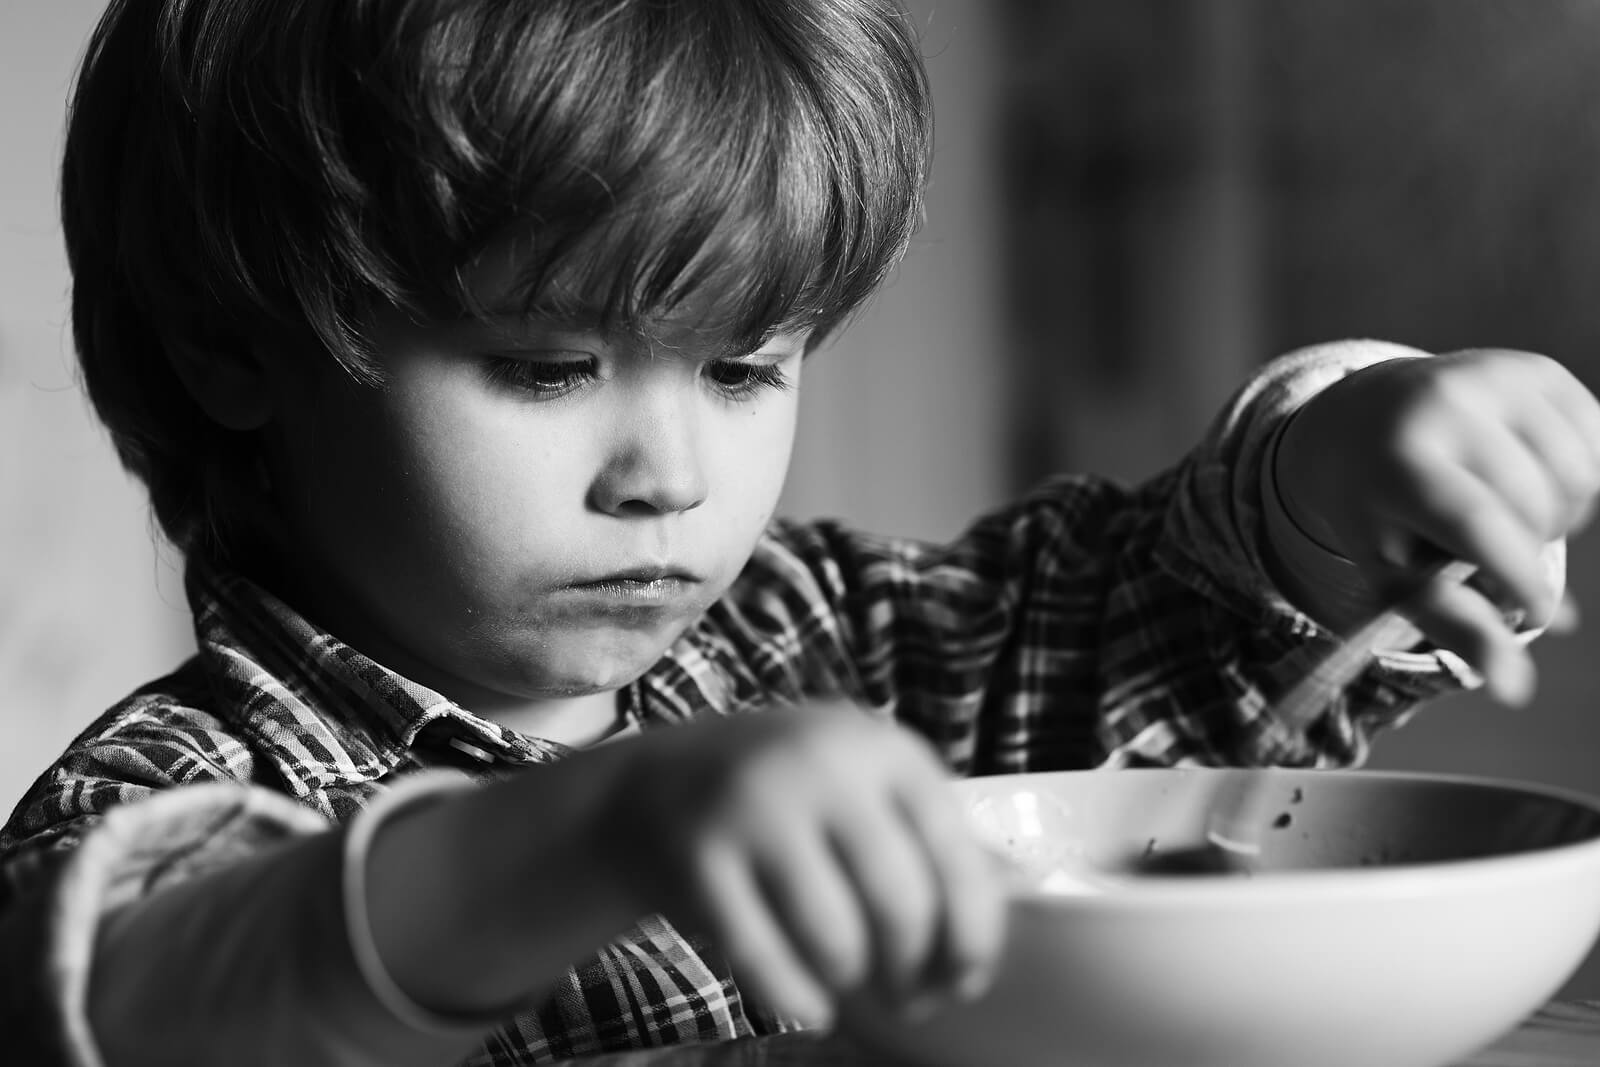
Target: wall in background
x=88 y=607
x=905 y=420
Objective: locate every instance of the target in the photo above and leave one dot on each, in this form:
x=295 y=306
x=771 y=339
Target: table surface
x=1563 y=1034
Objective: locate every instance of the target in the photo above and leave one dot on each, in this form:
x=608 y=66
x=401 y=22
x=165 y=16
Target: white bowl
x=1397 y=920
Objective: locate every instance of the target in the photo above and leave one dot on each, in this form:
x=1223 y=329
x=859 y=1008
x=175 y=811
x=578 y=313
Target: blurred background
x=1133 y=204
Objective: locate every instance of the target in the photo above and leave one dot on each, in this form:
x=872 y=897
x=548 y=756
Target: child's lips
x=640 y=586
x=660 y=590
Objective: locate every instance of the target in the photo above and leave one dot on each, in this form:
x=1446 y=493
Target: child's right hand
x=822 y=849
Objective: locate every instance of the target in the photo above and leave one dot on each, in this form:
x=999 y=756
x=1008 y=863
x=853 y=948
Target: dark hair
x=240 y=168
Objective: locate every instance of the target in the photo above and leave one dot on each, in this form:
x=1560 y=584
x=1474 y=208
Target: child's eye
x=546 y=379
x=738 y=379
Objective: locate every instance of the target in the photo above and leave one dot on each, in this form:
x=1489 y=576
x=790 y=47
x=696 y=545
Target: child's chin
x=595 y=670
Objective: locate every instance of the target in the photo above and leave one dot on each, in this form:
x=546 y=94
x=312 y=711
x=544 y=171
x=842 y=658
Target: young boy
x=458 y=343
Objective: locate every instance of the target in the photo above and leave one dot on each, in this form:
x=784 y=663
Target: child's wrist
x=380 y=981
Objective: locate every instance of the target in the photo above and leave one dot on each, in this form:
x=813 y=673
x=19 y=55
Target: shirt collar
x=330 y=715
x=325 y=713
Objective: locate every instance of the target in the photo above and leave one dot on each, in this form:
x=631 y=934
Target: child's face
x=526 y=511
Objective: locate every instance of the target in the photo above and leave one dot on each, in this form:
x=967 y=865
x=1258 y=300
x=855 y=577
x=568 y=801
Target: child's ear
x=229 y=383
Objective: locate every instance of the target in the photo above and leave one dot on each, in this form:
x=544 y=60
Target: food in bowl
x=1396 y=919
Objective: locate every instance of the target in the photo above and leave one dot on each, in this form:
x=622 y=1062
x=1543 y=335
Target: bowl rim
x=1432 y=879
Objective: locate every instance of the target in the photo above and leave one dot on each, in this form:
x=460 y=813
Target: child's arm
x=147 y=934
x=254 y=961
x=1088 y=624
x=819 y=850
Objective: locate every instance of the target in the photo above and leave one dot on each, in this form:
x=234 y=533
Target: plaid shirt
x=1086 y=625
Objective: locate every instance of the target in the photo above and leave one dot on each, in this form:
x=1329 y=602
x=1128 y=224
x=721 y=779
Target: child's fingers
x=1566 y=618
x=758 y=950
x=895 y=885
x=972 y=893
x=1577 y=403
x=1467 y=519
x=1521 y=479
x=817 y=907
x=1571 y=463
x=1582 y=515
x=1456 y=616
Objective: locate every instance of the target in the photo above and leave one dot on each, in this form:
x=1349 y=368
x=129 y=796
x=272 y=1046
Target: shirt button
x=471 y=750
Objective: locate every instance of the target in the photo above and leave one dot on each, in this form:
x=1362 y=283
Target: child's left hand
x=1484 y=456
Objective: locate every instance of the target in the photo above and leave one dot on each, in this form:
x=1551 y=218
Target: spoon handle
x=1310 y=696
x=1238 y=812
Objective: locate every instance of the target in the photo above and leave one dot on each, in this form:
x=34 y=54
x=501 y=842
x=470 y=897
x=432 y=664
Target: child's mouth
x=643 y=586
x=642 y=591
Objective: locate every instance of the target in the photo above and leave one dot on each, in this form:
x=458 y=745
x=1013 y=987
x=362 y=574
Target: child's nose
x=655 y=469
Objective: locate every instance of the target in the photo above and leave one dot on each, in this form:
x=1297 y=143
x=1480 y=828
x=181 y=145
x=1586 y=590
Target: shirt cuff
x=1346 y=596
x=136 y=850
x=1214 y=536
x=412 y=792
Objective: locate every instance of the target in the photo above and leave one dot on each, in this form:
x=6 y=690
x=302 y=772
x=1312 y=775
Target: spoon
x=1239 y=811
